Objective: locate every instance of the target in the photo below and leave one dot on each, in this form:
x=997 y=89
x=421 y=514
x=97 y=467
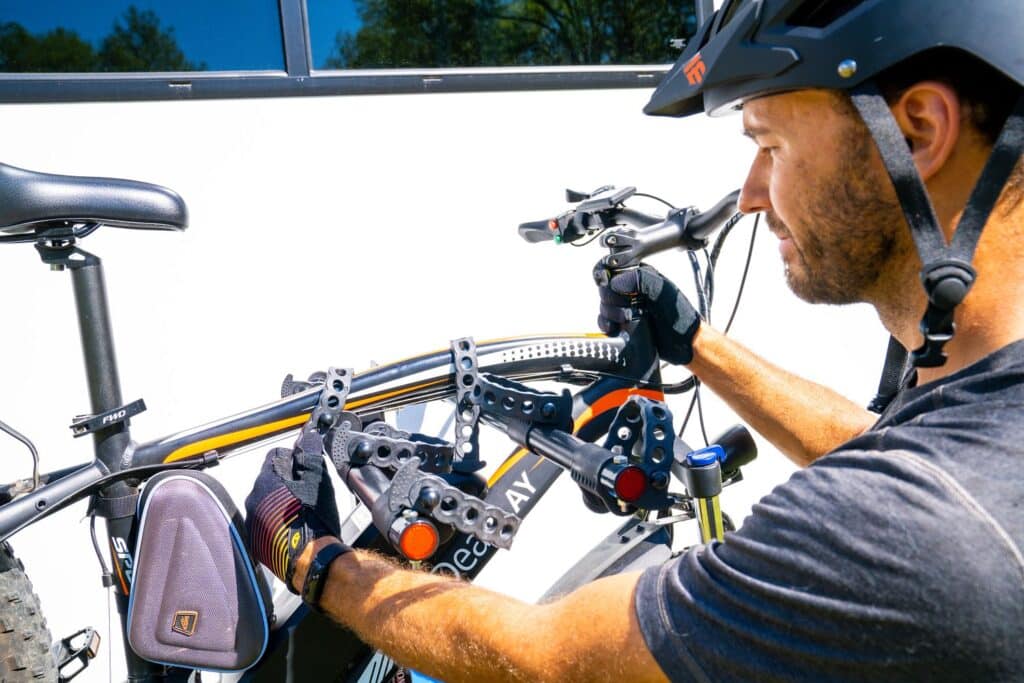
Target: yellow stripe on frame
x=232 y=438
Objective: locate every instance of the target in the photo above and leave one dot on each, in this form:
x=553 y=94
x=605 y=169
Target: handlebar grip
x=703 y=224
x=367 y=482
x=536 y=231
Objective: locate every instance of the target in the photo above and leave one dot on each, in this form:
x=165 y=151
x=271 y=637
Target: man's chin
x=817 y=292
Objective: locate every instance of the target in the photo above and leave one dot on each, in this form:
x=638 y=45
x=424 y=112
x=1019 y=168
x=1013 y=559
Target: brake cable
x=708 y=280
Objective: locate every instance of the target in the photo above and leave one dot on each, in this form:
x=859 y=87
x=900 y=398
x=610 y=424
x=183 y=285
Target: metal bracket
x=641 y=434
x=86 y=424
x=384 y=446
x=290 y=385
x=499 y=396
x=332 y=398
x=412 y=489
x=644 y=426
x=467 y=414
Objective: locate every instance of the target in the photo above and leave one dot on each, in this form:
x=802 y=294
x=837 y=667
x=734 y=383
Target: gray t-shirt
x=897 y=557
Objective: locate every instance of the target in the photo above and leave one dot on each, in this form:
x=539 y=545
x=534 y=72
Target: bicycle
x=621 y=388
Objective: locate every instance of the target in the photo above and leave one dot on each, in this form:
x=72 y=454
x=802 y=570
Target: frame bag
x=197 y=599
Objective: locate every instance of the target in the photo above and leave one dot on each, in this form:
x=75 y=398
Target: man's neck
x=989 y=318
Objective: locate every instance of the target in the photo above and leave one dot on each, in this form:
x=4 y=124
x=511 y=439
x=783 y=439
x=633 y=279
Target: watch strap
x=316 y=576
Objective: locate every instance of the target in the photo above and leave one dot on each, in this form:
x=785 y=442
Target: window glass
x=368 y=34
x=139 y=35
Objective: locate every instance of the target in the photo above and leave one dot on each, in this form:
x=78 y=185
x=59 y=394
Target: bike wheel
x=24 y=638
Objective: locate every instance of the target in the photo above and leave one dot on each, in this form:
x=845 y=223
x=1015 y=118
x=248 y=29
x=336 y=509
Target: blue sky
x=226 y=34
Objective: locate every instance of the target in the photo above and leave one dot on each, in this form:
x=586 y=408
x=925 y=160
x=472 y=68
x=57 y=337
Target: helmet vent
x=821 y=13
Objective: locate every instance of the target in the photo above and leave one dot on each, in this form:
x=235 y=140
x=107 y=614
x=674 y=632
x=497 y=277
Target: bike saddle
x=29 y=200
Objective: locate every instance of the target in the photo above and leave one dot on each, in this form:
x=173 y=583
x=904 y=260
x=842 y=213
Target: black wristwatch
x=316 y=576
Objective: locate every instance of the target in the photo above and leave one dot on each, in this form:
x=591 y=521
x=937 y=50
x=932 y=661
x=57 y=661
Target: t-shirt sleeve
x=864 y=566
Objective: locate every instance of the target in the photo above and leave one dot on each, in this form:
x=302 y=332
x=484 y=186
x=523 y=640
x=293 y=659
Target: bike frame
x=120 y=465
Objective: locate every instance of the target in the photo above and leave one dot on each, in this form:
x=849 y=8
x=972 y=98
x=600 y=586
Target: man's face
x=824 y=192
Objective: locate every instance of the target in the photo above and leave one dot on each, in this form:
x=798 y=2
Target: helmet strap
x=946 y=273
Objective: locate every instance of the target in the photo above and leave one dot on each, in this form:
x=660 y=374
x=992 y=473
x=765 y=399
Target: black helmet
x=758 y=47
x=751 y=48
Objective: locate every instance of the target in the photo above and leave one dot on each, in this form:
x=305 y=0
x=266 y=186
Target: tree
x=59 y=50
x=453 y=33
x=137 y=43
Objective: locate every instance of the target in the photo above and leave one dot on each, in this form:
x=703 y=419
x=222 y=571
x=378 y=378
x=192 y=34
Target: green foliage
x=59 y=50
x=457 y=33
x=139 y=44
x=136 y=43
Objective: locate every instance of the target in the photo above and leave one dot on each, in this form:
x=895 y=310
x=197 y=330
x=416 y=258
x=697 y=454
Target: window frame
x=300 y=79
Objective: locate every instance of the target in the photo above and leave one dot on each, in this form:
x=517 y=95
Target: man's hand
x=673 y=320
x=291 y=504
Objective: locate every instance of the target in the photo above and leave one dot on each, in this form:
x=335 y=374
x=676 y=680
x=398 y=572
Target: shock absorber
x=702 y=475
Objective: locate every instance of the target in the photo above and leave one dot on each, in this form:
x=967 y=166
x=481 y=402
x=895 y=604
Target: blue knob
x=705 y=456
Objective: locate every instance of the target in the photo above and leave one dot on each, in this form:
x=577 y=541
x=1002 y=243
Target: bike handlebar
x=687 y=228
x=703 y=225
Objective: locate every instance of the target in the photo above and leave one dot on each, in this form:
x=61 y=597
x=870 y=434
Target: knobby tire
x=24 y=638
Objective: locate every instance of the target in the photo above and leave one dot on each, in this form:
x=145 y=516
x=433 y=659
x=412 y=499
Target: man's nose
x=754 y=195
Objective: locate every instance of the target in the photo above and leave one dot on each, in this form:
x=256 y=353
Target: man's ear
x=929 y=115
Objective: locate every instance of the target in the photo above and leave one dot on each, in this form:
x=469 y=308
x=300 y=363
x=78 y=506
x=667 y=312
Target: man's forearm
x=802 y=419
x=459 y=632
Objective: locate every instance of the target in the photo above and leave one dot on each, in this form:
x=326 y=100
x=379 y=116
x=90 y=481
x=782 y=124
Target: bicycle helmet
x=752 y=48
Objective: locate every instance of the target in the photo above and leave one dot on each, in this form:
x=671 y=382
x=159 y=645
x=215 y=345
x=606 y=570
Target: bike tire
x=24 y=637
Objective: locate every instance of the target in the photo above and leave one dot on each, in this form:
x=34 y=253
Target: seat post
x=97 y=337
x=97 y=342
x=110 y=442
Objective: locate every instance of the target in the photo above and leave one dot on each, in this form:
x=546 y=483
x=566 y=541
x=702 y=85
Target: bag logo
x=185 y=622
x=695 y=70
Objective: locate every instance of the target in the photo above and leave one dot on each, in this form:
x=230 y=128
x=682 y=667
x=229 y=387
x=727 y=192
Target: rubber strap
x=114 y=508
x=946 y=273
x=892 y=145
x=892 y=376
x=1001 y=162
x=316 y=577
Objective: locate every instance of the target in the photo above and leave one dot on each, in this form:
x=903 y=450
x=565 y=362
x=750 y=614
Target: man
x=898 y=555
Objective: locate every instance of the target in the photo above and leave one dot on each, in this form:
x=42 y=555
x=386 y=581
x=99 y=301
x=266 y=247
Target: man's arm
x=802 y=419
x=460 y=632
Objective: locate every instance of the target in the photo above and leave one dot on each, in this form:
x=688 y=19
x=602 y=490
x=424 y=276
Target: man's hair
x=989 y=97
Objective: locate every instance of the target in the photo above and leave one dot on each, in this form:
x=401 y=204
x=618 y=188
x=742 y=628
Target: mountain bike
x=421 y=498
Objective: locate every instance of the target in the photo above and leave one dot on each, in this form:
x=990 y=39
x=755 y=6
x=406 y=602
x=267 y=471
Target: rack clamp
x=467 y=413
x=510 y=400
x=87 y=424
x=333 y=396
x=384 y=446
x=413 y=489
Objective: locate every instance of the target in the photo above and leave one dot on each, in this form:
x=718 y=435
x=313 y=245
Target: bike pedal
x=68 y=653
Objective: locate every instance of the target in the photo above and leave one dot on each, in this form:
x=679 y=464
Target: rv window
x=418 y=34
x=62 y=36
